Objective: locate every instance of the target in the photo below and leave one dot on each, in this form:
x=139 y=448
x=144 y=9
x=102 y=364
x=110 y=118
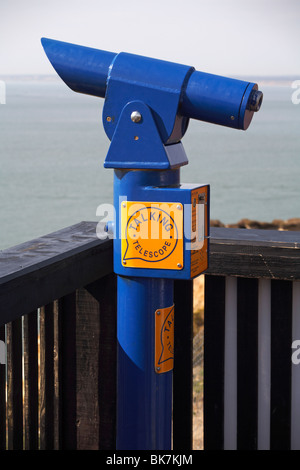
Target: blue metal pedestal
x=144 y=401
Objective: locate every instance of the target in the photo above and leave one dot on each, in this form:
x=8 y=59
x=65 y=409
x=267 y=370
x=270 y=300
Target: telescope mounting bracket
x=137 y=144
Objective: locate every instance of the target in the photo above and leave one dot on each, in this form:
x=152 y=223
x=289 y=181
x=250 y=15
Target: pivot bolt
x=136 y=116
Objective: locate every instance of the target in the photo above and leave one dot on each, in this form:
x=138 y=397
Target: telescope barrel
x=219 y=100
x=205 y=97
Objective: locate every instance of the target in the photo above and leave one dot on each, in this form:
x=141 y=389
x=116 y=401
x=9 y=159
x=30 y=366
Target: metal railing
x=58 y=320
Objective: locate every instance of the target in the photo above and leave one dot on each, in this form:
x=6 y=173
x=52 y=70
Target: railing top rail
x=256 y=237
x=256 y=253
x=39 y=271
x=44 y=269
x=47 y=249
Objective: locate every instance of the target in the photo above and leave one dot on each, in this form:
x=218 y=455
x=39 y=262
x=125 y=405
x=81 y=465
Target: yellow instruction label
x=152 y=235
x=199 y=260
x=164 y=339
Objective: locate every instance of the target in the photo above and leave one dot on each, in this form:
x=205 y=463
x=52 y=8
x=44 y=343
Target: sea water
x=53 y=145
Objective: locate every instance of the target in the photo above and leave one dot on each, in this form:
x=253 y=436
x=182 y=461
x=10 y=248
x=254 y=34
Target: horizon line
x=260 y=79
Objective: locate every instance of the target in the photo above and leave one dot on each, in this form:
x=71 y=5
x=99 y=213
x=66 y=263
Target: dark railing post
x=14 y=385
x=104 y=291
x=48 y=404
x=214 y=324
x=183 y=367
x=31 y=393
x=2 y=396
x=247 y=365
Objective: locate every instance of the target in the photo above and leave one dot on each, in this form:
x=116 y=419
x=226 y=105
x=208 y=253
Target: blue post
x=148 y=104
x=144 y=397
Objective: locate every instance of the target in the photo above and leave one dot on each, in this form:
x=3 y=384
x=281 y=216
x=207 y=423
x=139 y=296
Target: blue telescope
x=161 y=226
x=198 y=95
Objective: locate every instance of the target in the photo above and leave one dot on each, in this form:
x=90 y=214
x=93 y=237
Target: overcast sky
x=226 y=37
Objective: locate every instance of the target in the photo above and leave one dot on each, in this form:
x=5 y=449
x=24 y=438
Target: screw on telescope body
x=136 y=116
x=255 y=100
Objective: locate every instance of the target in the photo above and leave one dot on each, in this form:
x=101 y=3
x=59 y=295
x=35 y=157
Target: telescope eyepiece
x=255 y=100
